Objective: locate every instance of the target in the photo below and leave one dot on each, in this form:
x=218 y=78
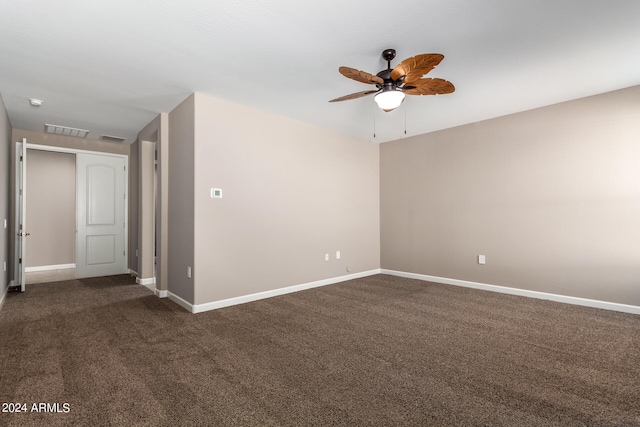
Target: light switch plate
x=216 y=193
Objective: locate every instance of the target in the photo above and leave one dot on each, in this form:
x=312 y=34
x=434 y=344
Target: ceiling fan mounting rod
x=388 y=55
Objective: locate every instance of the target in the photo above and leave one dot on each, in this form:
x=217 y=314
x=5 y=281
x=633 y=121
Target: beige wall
x=5 y=150
x=51 y=208
x=291 y=193
x=180 y=199
x=550 y=196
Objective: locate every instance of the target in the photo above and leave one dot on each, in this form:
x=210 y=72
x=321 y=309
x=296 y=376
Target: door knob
x=24 y=234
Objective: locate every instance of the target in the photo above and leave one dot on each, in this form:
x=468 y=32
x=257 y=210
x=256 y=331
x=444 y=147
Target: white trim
x=199 y=308
x=606 y=305
x=72 y=150
x=149 y=281
x=184 y=304
x=49 y=267
x=11 y=284
x=3 y=296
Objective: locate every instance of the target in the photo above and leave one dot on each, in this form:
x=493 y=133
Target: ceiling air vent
x=112 y=138
x=65 y=130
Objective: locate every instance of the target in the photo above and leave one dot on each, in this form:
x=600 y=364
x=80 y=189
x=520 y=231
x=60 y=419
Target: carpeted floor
x=377 y=351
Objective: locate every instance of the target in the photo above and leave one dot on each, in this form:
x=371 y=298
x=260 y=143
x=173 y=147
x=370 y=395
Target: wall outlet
x=5 y=223
x=5 y=266
x=337 y=254
x=481 y=259
x=189 y=272
x=326 y=257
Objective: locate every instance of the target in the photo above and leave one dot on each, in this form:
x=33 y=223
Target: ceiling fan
x=405 y=79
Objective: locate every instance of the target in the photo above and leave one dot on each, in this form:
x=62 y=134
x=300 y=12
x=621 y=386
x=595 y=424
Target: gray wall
x=291 y=193
x=5 y=150
x=157 y=131
x=51 y=208
x=550 y=196
x=146 y=209
x=181 y=203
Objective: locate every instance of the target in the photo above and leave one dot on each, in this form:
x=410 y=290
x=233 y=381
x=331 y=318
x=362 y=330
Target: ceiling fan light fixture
x=389 y=100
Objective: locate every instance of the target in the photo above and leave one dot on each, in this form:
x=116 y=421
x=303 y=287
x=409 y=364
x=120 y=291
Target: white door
x=21 y=223
x=101 y=215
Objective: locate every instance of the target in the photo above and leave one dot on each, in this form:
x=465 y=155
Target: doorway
x=91 y=238
x=51 y=216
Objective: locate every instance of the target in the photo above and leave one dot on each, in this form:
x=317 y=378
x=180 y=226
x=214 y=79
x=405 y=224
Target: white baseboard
x=181 y=302
x=3 y=296
x=633 y=309
x=148 y=281
x=199 y=308
x=49 y=267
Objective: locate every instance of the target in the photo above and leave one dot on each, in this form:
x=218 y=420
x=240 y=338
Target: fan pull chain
x=405 y=116
x=374 y=119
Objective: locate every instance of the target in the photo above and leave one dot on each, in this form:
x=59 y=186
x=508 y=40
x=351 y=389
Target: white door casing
x=21 y=218
x=101 y=215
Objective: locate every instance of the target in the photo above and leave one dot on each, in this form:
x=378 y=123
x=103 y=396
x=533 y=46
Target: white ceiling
x=112 y=66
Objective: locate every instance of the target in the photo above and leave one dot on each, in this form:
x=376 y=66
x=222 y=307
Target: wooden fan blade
x=430 y=87
x=360 y=76
x=354 y=95
x=416 y=67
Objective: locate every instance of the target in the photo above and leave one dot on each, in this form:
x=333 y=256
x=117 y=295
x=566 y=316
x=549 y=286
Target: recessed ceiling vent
x=112 y=138
x=65 y=130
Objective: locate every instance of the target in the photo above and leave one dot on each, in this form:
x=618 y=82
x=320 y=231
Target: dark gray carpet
x=378 y=351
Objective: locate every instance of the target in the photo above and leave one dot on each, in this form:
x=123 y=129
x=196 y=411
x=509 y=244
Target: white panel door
x=101 y=209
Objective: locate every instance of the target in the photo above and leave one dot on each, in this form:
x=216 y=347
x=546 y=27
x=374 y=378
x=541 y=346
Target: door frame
x=78 y=151
x=20 y=185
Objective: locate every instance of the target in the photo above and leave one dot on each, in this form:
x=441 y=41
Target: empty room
x=344 y=213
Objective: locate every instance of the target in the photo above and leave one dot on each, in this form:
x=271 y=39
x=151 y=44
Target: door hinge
x=20 y=261
x=20 y=158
